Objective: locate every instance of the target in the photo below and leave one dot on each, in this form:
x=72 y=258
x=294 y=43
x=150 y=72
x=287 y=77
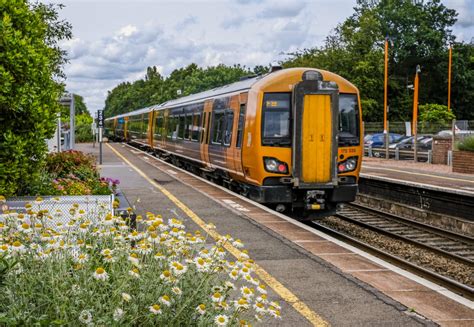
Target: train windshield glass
x=276 y=119
x=348 y=120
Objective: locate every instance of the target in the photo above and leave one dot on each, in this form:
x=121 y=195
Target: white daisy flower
x=85 y=317
x=134 y=273
x=238 y=244
x=109 y=259
x=155 y=309
x=17 y=247
x=241 y=304
x=178 y=268
x=221 y=320
x=100 y=274
x=126 y=297
x=201 y=309
x=81 y=258
x=234 y=274
x=118 y=314
x=201 y=264
x=177 y=291
x=247 y=292
x=106 y=252
x=259 y=307
x=261 y=289
x=133 y=258
x=165 y=299
x=217 y=297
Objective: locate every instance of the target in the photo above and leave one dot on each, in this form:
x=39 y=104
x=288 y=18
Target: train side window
x=229 y=126
x=240 y=128
x=202 y=127
x=217 y=127
x=188 y=119
x=180 y=131
x=159 y=125
x=196 y=126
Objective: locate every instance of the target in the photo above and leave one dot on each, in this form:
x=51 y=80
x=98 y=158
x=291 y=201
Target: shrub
x=95 y=271
x=467 y=144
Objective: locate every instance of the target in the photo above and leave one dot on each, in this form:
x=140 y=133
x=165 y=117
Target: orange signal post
x=385 y=96
x=449 y=76
x=415 y=111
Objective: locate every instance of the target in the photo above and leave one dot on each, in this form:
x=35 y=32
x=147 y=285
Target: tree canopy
x=154 y=88
x=30 y=67
x=418 y=33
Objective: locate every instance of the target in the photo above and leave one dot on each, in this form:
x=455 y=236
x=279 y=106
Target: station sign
x=100 y=118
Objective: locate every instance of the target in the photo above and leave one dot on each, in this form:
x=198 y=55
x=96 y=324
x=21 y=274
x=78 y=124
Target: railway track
x=441 y=242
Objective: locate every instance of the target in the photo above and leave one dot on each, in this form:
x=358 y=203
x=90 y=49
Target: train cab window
x=196 y=127
x=217 y=127
x=349 y=134
x=276 y=119
x=241 y=125
x=229 y=126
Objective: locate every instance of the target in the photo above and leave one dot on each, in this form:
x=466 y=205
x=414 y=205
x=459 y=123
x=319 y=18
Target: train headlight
x=273 y=165
x=348 y=165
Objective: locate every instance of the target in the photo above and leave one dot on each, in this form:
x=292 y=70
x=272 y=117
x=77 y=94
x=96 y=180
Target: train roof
x=235 y=87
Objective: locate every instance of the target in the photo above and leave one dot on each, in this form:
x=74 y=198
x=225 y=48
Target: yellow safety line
x=271 y=281
x=418 y=174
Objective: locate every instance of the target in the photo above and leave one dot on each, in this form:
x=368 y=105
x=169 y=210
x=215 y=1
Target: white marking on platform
x=146 y=158
x=171 y=171
x=235 y=205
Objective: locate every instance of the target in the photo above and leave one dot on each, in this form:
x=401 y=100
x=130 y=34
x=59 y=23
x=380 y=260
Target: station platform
x=430 y=176
x=319 y=281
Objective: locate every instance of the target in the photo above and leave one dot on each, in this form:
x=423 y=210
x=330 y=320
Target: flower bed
x=74 y=173
x=102 y=273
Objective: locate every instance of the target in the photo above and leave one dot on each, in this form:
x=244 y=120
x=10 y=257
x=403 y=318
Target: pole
x=415 y=102
x=100 y=145
x=72 y=119
x=415 y=113
x=449 y=76
x=385 y=98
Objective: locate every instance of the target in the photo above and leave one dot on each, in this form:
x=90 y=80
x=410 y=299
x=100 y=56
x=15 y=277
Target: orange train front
x=290 y=139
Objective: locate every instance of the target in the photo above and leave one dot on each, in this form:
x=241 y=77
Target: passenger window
x=187 y=125
x=159 y=125
x=202 y=127
x=217 y=127
x=229 y=126
x=181 y=125
x=195 y=127
x=241 y=125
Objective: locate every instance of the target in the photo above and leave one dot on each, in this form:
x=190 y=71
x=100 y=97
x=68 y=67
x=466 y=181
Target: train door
x=315 y=116
x=205 y=132
x=239 y=134
x=230 y=128
x=218 y=139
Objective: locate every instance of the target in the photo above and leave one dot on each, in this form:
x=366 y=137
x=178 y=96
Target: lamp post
x=449 y=76
x=415 y=111
x=385 y=99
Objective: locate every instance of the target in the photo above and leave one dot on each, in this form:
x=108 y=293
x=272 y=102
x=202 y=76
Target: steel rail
x=347 y=217
x=457 y=287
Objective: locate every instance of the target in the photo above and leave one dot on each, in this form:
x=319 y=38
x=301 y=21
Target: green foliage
x=30 y=65
x=419 y=32
x=79 y=107
x=435 y=113
x=83 y=128
x=155 y=89
x=467 y=144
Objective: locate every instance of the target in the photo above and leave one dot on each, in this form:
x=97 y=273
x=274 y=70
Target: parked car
x=378 y=140
x=406 y=143
x=449 y=133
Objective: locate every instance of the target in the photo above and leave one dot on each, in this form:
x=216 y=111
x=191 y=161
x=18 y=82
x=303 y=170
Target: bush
x=467 y=144
x=30 y=86
x=95 y=271
x=435 y=114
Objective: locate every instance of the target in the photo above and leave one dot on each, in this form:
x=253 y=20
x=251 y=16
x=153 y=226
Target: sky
x=116 y=40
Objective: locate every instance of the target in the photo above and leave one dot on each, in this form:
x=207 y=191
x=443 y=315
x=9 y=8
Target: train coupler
x=315 y=200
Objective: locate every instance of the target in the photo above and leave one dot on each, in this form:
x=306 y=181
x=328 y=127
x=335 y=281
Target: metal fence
x=94 y=207
x=421 y=148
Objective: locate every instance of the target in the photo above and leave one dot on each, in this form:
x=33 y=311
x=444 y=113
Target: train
x=289 y=139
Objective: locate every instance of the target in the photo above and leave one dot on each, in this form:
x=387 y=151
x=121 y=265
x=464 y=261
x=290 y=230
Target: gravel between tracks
x=444 y=266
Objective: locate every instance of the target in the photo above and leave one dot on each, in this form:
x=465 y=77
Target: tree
x=30 y=66
x=419 y=31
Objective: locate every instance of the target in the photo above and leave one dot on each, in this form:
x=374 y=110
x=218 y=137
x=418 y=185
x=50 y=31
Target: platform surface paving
x=337 y=295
